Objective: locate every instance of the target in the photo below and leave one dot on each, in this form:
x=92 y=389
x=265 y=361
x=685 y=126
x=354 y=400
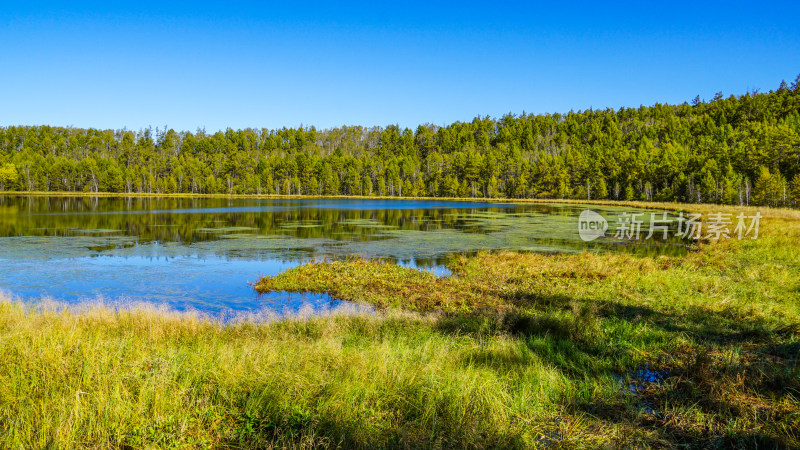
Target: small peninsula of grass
x=701 y=348
x=514 y=350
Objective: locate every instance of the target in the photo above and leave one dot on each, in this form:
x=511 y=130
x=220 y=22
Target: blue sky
x=238 y=64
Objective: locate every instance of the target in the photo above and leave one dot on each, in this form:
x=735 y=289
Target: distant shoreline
x=670 y=206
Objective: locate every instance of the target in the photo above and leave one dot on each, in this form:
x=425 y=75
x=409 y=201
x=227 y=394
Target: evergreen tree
x=8 y=177
x=601 y=191
x=707 y=151
x=796 y=189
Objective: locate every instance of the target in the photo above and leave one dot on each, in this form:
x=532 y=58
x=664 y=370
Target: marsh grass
x=511 y=351
x=719 y=325
x=143 y=377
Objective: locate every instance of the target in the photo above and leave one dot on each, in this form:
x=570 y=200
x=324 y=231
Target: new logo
x=591 y=225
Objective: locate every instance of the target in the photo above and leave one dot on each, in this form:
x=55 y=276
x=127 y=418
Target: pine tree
x=366 y=185
x=762 y=188
x=408 y=189
x=629 y=194
x=8 y=177
x=708 y=187
x=381 y=182
x=730 y=185
x=796 y=189
x=796 y=84
x=663 y=152
x=601 y=191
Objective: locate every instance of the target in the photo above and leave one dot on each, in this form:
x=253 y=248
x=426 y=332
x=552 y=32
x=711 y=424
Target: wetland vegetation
x=201 y=252
x=512 y=350
x=532 y=337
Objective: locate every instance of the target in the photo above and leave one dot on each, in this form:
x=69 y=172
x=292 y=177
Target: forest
x=741 y=150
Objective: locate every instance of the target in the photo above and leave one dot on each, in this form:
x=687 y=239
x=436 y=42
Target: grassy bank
x=705 y=347
x=514 y=350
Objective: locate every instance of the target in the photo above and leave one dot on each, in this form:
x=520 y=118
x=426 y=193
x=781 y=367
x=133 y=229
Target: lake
x=202 y=253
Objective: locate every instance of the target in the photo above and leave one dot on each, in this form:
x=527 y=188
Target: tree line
x=735 y=150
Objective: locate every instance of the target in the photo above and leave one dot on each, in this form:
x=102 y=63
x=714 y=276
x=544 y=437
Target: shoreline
x=520 y=346
x=670 y=206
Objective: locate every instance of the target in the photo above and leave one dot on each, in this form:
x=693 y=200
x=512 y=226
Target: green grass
x=718 y=329
x=512 y=351
x=144 y=378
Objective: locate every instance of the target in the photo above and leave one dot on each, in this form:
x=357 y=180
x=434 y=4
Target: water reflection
x=201 y=253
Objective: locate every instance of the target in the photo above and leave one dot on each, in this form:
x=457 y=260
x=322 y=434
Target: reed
x=513 y=350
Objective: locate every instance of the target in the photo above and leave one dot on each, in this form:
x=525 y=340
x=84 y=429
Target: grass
x=145 y=378
x=708 y=342
x=515 y=350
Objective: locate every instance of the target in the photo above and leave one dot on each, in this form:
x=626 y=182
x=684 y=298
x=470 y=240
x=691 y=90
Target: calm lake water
x=201 y=253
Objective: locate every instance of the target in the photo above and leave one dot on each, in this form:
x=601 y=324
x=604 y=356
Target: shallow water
x=201 y=253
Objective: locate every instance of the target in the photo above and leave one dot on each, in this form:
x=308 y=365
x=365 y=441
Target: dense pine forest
x=734 y=150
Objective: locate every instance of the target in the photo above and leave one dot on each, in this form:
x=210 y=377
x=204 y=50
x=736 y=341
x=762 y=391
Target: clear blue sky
x=235 y=64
